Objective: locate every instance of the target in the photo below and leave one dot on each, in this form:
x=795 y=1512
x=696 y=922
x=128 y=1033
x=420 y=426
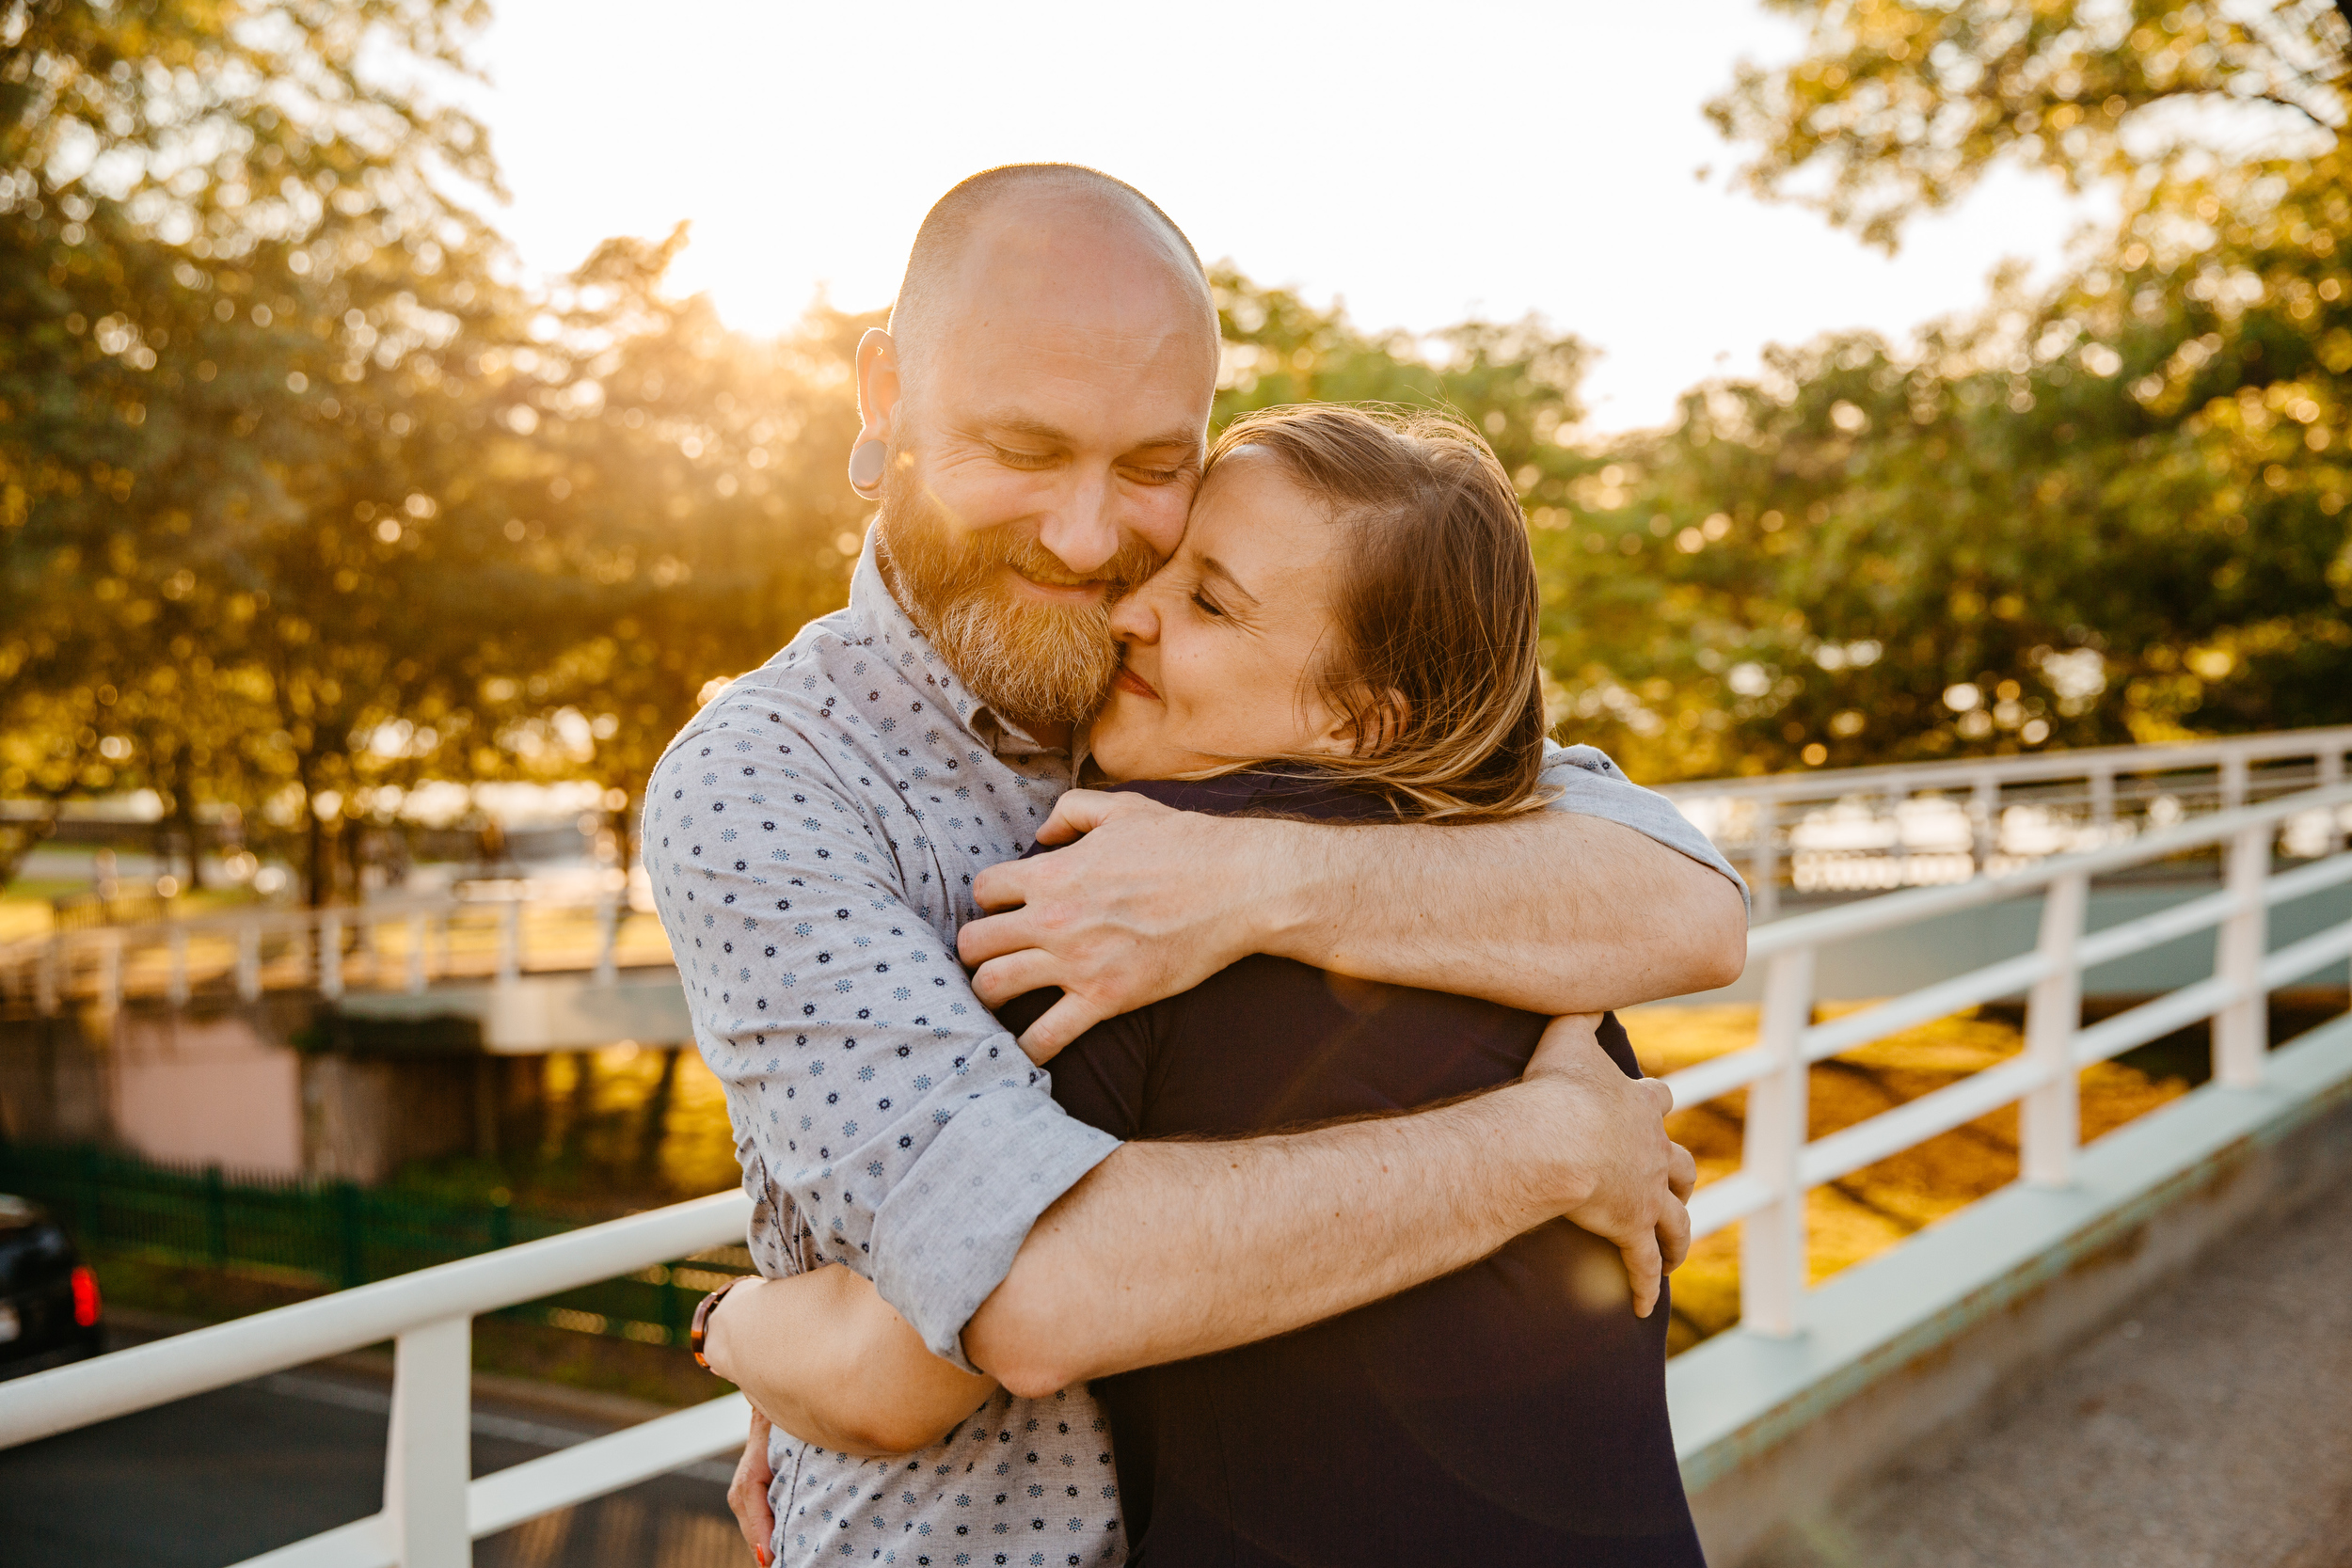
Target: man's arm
x=1275 y=1233
x=1555 y=912
x=1271 y=1239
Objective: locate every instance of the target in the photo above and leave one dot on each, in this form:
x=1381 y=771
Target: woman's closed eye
x=1206 y=605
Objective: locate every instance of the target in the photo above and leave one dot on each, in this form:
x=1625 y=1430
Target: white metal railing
x=497 y=932
x=433 y=1512
x=1780 y=1164
x=1868 y=830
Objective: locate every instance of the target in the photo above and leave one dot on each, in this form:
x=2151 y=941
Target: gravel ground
x=2213 y=1430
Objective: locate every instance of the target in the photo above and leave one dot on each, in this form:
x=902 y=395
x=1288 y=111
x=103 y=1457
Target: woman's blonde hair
x=1433 y=659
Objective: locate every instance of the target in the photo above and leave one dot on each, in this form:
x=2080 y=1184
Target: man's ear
x=878 y=388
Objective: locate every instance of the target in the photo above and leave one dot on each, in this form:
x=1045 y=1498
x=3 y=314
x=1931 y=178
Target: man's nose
x=1082 y=530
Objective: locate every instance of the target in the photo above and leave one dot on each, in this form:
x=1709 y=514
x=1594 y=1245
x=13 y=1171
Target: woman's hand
x=823 y=1357
x=747 y=1493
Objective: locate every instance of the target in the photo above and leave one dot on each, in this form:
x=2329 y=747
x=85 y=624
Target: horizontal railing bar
x=1896 y=909
x=2154 y=930
x=1696 y=1084
x=2294 y=962
x=2120 y=761
x=362 y=1544
x=2152 y=1020
x=505 y=1499
x=1917 y=1121
x=1726 y=1202
x=2304 y=881
x=1924 y=1006
x=206 y=1358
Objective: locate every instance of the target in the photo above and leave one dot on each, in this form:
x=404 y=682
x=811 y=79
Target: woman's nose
x=1134 y=620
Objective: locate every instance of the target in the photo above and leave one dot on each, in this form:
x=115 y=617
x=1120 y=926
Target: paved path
x=2213 y=1430
x=217 y=1479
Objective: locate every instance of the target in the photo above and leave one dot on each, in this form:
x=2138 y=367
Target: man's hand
x=747 y=1493
x=1639 y=1179
x=1152 y=903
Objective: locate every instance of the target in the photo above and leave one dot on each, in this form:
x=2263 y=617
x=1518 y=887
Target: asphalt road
x=214 y=1480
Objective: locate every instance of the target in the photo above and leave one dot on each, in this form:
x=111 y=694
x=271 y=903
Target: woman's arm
x=828 y=1360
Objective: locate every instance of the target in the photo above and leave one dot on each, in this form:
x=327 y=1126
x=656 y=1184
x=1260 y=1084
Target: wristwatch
x=701 y=1325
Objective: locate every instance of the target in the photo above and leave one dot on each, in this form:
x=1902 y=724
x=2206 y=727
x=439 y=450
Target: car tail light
x=85 y=1298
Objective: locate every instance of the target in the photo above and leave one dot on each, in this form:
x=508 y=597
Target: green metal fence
x=336 y=1233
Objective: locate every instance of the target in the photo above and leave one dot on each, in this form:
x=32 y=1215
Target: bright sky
x=1422 y=163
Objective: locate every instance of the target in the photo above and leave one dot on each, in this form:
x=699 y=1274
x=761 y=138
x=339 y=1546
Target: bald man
x=825 y=837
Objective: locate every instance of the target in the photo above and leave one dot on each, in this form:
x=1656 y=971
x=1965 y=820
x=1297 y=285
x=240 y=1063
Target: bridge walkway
x=2211 y=1428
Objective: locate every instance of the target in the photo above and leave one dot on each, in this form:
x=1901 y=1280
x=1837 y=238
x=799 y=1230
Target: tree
x=2108 y=510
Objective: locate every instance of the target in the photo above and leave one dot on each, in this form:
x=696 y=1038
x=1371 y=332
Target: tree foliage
x=2111 y=509
x=307 y=497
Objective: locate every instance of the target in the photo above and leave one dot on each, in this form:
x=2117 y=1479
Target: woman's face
x=1222 y=643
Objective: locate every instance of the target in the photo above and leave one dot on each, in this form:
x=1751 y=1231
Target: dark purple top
x=1514 y=1412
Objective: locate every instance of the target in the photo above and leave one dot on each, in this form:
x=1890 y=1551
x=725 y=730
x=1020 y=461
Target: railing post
x=1764 y=862
x=608 y=940
x=2331 y=773
x=249 y=961
x=176 y=984
x=1984 y=815
x=510 y=941
x=331 y=955
x=110 y=971
x=45 y=976
x=428 y=1459
x=2103 y=796
x=2232 y=780
x=1898 y=852
x=2241 y=1031
x=2052 y=1113
x=416 y=953
x=1771 y=1239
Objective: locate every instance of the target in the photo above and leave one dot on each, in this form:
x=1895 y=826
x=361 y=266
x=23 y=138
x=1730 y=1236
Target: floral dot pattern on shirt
x=811 y=838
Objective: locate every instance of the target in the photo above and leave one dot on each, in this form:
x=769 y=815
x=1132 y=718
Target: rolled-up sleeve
x=1585 y=781
x=873 y=1091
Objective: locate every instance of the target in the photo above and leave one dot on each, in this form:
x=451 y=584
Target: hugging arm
x=1274 y=1233
x=823 y=1357
x=1607 y=900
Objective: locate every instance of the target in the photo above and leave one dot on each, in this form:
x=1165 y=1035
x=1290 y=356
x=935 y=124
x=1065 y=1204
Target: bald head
x=1031 y=227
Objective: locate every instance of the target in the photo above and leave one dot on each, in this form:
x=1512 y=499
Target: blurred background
x=412 y=410
x=1885 y=381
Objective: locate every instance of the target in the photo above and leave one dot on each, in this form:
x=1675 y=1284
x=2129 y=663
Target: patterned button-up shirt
x=812 y=835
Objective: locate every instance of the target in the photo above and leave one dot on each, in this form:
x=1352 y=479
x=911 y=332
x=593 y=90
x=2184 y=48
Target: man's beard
x=1030 y=663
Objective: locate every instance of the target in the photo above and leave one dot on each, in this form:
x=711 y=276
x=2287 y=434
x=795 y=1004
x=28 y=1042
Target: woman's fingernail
x=762 y=1553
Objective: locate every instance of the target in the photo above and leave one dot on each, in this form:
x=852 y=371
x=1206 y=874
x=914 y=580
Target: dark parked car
x=49 y=1307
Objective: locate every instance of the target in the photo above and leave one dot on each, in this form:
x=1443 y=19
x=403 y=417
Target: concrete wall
x=52 y=1078
x=217 y=1085
x=226 y=1084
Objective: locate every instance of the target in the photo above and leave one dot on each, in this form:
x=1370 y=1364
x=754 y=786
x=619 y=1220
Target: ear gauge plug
x=865 y=468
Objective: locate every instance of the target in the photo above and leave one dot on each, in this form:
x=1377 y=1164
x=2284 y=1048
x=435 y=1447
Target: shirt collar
x=875 y=612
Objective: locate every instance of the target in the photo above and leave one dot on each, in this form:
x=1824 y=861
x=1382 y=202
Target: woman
x=1347 y=633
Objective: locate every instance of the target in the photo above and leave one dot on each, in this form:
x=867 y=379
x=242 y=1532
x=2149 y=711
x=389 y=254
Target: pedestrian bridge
x=1818 y=1386
x=545 y=967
